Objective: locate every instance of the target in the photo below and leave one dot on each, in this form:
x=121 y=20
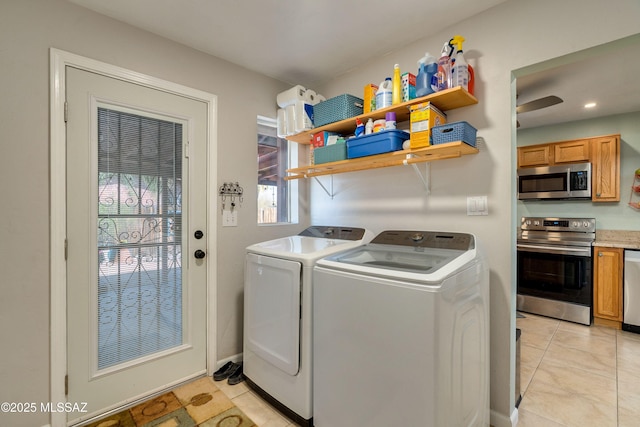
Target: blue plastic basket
x=335 y=109
x=457 y=131
x=376 y=143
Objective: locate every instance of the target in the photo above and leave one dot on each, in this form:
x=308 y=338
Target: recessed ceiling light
x=590 y=105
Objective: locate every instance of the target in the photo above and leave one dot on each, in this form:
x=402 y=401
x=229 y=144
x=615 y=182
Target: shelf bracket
x=329 y=192
x=426 y=177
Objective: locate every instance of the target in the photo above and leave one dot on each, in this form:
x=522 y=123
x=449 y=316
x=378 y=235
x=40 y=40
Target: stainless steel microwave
x=572 y=181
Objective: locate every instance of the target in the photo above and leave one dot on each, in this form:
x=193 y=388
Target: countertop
x=626 y=239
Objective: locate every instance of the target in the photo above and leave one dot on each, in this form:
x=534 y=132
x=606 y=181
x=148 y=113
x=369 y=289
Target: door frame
x=58 y=61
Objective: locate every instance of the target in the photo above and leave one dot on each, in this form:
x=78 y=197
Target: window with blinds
x=139 y=236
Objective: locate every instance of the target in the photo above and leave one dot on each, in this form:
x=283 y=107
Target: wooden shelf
x=448 y=99
x=395 y=158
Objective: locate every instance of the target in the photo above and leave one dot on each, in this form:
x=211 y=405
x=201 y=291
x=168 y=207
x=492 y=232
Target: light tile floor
x=256 y=408
x=575 y=375
x=571 y=375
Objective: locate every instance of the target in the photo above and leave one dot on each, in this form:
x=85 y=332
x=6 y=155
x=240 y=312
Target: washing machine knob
x=417 y=237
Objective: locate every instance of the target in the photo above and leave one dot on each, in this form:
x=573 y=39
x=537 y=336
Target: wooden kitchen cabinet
x=605 y=163
x=534 y=155
x=554 y=153
x=572 y=151
x=602 y=152
x=607 y=286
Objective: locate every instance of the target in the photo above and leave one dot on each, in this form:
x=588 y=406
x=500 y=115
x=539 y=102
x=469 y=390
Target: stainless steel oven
x=554 y=267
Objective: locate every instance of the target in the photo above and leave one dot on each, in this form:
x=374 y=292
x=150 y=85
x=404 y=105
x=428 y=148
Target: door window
x=139 y=236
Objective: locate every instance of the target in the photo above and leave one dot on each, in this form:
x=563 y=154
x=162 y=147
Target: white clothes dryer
x=278 y=297
x=401 y=333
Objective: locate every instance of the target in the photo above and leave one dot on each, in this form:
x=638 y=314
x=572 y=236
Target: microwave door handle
x=564 y=250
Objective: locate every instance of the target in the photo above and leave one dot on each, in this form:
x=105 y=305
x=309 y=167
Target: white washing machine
x=278 y=297
x=401 y=333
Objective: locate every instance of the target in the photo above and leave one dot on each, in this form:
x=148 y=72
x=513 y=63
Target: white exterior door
x=137 y=240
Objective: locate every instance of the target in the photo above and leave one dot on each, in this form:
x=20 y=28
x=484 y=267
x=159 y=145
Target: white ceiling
x=296 y=41
x=607 y=77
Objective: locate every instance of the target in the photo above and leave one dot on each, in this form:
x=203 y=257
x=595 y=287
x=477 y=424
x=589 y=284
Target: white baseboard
x=502 y=420
x=235 y=358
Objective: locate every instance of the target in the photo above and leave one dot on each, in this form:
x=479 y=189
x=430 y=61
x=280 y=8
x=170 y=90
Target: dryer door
x=272 y=310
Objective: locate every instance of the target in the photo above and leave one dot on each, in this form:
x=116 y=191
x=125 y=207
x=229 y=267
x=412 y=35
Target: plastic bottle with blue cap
x=384 y=94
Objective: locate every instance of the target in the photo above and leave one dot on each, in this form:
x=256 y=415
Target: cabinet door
x=536 y=155
x=572 y=151
x=605 y=158
x=607 y=298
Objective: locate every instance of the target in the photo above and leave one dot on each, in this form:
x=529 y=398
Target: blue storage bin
x=376 y=143
x=330 y=153
x=335 y=109
x=457 y=131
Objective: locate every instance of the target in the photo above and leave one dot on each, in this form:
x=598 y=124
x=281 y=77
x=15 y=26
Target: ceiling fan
x=538 y=104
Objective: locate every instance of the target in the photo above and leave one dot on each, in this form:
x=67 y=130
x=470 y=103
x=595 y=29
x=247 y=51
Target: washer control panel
x=426 y=239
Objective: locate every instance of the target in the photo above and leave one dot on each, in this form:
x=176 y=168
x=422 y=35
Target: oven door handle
x=561 y=250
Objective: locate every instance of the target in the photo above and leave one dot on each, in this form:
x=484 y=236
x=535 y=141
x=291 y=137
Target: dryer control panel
x=331 y=232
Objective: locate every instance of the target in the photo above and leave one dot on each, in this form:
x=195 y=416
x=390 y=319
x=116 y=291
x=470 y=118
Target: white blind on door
x=139 y=233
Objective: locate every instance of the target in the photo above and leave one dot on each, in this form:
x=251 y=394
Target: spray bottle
x=396 y=97
x=461 y=72
x=427 y=70
x=441 y=81
x=459 y=68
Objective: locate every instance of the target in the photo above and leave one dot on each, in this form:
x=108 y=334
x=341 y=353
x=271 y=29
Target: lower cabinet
x=607 y=285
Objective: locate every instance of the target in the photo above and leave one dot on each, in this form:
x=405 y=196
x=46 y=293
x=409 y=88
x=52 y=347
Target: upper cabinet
x=554 y=153
x=603 y=152
x=571 y=151
x=605 y=162
x=535 y=155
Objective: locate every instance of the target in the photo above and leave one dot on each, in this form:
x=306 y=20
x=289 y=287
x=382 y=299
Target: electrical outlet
x=230 y=218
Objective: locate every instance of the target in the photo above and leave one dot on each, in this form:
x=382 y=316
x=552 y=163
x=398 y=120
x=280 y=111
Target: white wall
x=609 y=216
x=510 y=36
x=28 y=28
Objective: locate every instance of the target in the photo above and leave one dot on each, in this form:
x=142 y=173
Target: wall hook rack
x=230 y=192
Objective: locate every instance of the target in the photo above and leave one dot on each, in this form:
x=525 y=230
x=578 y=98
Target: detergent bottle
x=396 y=97
x=444 y=70
x=459 y=67
x=427 y=70
x=384 y=93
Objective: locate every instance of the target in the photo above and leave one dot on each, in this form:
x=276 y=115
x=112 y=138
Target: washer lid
x=424 y=261
x=308 y=249
x=408 y=255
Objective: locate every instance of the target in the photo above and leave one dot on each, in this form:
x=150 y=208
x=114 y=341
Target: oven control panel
x=584 y=225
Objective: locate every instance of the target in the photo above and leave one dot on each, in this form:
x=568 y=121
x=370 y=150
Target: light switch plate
x=229 y=218
x=477 y=205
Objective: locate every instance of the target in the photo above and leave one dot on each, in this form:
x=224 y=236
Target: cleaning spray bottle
x=427 y=70
x=459 y=67
x=461 y=72
x=444 y=70
x=397 y=86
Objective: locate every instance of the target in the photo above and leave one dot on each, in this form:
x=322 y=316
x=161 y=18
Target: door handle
x=199 y=254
